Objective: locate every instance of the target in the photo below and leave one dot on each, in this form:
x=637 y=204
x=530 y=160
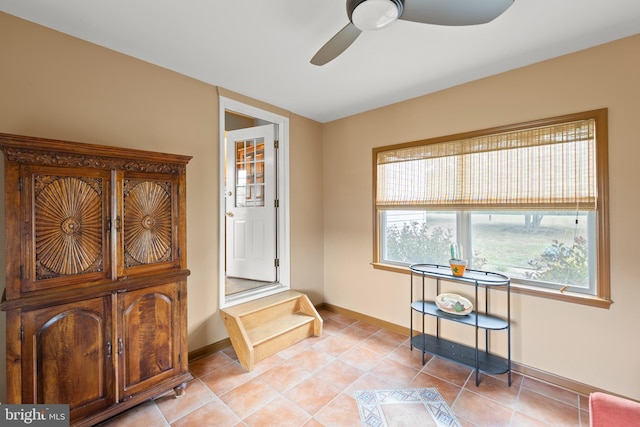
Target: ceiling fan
x=365 y=15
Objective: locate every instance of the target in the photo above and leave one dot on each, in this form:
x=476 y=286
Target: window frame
x=602 y=297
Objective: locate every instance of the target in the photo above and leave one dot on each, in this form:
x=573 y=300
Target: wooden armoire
x=96 y=275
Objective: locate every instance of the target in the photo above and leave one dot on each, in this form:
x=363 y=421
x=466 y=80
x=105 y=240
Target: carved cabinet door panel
x=149 y=206
x=65 y=220
x=149 y=345
x=68 y=357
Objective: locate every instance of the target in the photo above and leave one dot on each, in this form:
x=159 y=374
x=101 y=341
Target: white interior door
x=250 y=204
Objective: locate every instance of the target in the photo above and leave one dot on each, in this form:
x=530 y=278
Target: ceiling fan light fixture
x=375 y=14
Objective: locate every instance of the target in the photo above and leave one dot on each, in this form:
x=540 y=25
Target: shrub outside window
x=527 y=200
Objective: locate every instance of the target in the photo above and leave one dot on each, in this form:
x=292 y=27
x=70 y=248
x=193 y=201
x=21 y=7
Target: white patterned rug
x=406 y=407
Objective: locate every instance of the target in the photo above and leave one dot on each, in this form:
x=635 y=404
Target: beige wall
x=56 y=86
x=594 y=346
x=53 y=85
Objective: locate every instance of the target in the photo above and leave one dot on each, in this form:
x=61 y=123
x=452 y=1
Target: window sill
x=572 y=297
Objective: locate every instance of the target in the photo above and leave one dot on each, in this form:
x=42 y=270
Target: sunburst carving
x=68 y=226
x=147 y=222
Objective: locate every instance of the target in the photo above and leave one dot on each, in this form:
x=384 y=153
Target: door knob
x=229 y=214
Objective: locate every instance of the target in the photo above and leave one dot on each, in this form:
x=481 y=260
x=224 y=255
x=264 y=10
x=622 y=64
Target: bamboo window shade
x=548 y=167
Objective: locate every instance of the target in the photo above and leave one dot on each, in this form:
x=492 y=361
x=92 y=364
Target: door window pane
x=250 y=173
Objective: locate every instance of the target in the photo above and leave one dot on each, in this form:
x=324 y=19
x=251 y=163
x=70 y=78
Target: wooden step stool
x=263 y=327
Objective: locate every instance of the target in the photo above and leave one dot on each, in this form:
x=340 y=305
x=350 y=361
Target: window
x=527 y=200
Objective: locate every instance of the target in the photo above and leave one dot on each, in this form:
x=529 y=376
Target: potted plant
x=458 y=265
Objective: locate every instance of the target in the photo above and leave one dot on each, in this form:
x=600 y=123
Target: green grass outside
x=507 y=244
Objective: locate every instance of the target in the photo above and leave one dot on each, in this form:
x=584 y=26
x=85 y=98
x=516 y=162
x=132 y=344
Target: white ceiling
x=262 y=48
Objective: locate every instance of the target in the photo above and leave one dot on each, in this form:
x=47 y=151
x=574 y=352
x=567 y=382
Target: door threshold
x=252 y=294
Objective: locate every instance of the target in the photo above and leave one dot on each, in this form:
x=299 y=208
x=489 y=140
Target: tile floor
x=312 y=384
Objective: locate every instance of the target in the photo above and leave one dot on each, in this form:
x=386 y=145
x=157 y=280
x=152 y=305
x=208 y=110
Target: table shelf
x=479 y=319
x=484 y=321
x=460 y=353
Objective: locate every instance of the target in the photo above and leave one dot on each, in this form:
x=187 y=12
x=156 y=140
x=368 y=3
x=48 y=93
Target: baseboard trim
x=209 y=349
x=554 y=379
x=364 y=318
x=525 y=370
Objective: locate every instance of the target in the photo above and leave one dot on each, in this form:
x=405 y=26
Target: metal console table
x=479 y=360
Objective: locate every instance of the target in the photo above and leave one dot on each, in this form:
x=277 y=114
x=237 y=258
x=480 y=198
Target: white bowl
x=450 y=302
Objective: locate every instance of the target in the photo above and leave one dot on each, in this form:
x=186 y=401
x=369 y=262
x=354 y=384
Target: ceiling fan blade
x=454 y=12
x=338 y=44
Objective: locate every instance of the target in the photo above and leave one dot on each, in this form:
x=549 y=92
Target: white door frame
x=282 y=134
